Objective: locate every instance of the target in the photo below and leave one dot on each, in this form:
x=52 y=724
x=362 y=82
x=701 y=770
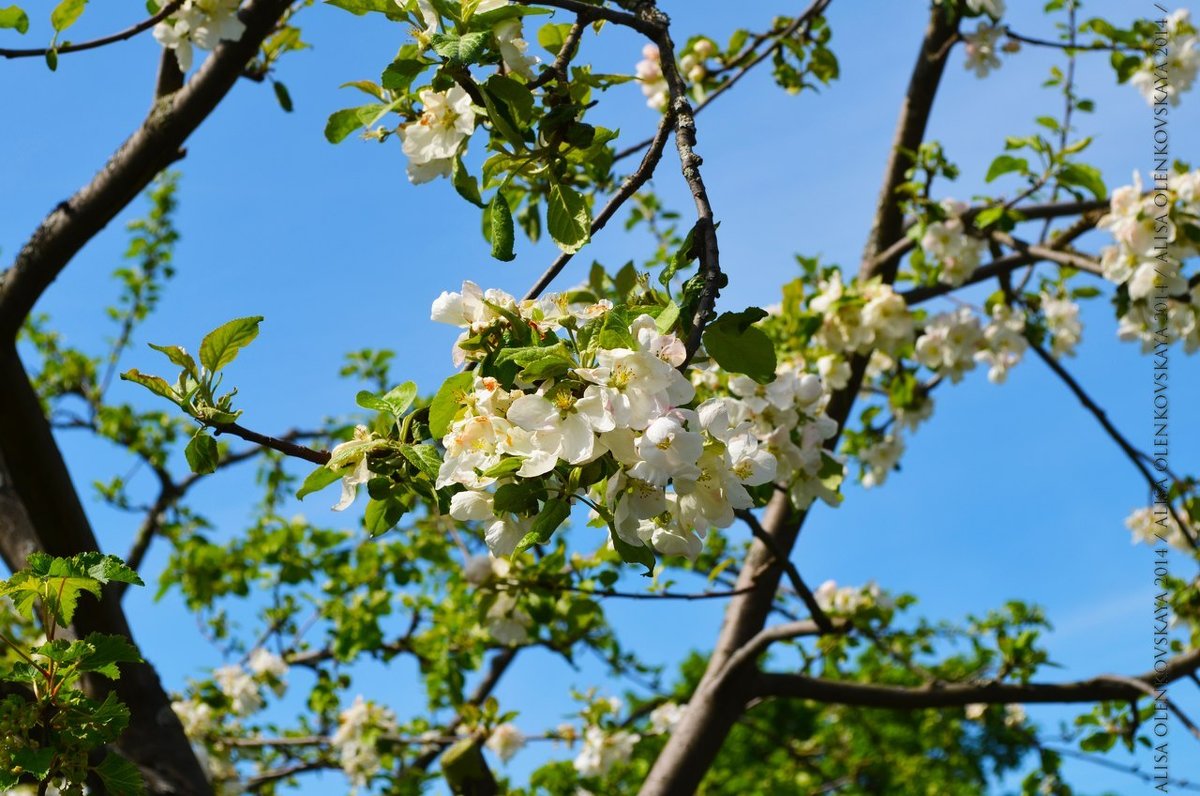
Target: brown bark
x=721 y=696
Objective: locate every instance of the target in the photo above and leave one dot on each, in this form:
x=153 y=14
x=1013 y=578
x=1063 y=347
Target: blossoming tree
x=591 y=430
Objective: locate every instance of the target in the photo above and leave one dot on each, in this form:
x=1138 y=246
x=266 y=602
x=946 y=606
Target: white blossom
x=506 y=740
x=432 y=141
x=601 y=750
x=360 y=728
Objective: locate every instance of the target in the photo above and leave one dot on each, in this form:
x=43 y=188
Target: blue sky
x=1011 y=491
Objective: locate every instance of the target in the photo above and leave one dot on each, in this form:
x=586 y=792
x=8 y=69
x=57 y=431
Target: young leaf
x=466 y=184
x=463 y=49
x=154 y=384
x=66 y=13
x=425 y=458
x=317 y=480
x=180 y=357
x=382 y=515
x=120 y=777
x=1003 y=164
x=14 y=17
x=282 y=95
x=568 y=218
x=201 y=453
x=632 y=554
x=739 y=347
x=105 y=651
x=501 y=226
x=221 y=346
x=447 y=402
x=552 y=515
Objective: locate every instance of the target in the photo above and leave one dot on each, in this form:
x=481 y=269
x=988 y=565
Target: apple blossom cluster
x=649 y=74
x=880 y=457
x=981 y=48
x=199 y=23
x=1147 y=259
x=993 y=8
x=506 y=740
x=1166 y=80
x=673 y=472
x=604 y=749
x=666 y=717
x=848 y=600
x=946 y=243
x=1153 y=527
x=360 y=728
x=948 y=343
x=241 y=685
x=857 y=318
x=1004 y=341
x=1063 y=324
x=1014 y=715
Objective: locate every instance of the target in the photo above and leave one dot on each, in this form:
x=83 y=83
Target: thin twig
x=128 y=33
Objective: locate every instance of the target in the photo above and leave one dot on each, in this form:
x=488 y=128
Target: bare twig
x=128 y=33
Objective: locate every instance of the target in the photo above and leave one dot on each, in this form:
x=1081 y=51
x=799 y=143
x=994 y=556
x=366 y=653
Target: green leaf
x=740 y=347
x=447 y=402
x=425 y=458
x=401 y=73
x=515 y=97
x=500 y=223
x=505 y=467
x=463 y=49
x=14 y=17
x=533 y=363
x=344 y=122
x=466 y=184
x=281 y=94
x=553 y=35
x=382 y=515
x=120 y=777
x=396 y=402
x=680 y=259
x=52 y=59
x=221 y=346
x=105 y=652
x=553 y=514
x=568 y=218
x=1003 y=164
x=105 y=568
x=666 y=320
x=180 y=357
x=517 y=497
x=66 y=13
x=1086 y=177
x=632 y=554
x=36 y=762
x=317 y=480
x=202 y=455
x=361 y=7
x=154 y=384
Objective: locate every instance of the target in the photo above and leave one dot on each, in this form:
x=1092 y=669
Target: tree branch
x=128 y=33
x=1096 y=689
x=690 y=750
x=154 y=146
x=1130 y=452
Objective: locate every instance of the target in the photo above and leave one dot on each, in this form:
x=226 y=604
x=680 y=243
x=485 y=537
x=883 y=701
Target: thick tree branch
x=154 y=146
x=45 y=514
x=692 y=747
